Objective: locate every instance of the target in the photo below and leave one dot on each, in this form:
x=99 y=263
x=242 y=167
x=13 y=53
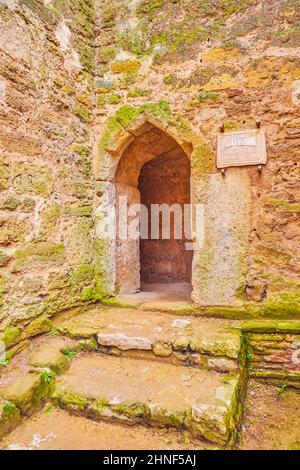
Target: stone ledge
x=277 y=377
x=271 y=326
x=205 y=403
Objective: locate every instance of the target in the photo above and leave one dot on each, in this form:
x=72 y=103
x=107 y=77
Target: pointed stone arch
x=212 y=284
x=129 y=122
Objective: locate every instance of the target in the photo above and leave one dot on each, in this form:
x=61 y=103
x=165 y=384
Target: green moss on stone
x=203 y=159
x=109 y=14
x=81 y=150
x=86 y=55
x=50 y=218
x=78 y=209
x=169 y=79
x=83 y=113
x=127 y=115
x=271 y=326
x=138 y=93
x=104 y=86
x=231 y=126
x=207 y=96
x=107 y=54
x=26 y=392
x=285 y=205
x=87 y=345
x=68 y=399
x=108 y=98
x=29 y=178
x=162 y=349
x=14 y=335
x=277 y=307
x=9 y=417
x=41 y=252
x=131 y=410
x=83 y=273
x=147 y=7
x=38 y=326
x=128 y=79
x=11 y=336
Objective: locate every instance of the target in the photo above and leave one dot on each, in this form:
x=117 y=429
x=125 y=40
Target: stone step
x=212 y=344
x=56 y=429
x=135 y=391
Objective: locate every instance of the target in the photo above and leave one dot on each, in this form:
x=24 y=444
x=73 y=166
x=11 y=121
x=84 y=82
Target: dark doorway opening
x=165 y=180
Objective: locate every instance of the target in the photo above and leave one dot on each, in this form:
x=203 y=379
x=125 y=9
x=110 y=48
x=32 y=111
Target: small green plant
x=282 y=389
x=248 y=357
x=4 y=362
x=9 y=408
x=46 y=377
x=47 y=409
x=70 y=353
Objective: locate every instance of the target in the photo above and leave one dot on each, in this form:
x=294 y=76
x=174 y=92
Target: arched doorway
x=153 y=170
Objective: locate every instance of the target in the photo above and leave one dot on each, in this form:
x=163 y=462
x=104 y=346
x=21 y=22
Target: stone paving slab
x=163 y=334
x=56 y=429
x=152 y=393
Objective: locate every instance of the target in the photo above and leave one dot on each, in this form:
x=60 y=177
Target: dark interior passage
x=165 y=180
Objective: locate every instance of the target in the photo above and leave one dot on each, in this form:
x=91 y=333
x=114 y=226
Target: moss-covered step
x=211 y=344
x=14 y=335
x=51 y=358
x=10 y=417
x=65 y=431
x=27 y=390
x=278 y=307
x=152 y=393
x=25 y=378
x=281 y=378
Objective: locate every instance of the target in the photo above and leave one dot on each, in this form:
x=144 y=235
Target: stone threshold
x=154 y=335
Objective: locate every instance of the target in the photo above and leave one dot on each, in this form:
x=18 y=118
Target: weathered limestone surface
x=51 y=358
x=162 y=395
x=77 y=82
x=184 y=340
x=9 y=417
x=47 y=240
x=25 y=392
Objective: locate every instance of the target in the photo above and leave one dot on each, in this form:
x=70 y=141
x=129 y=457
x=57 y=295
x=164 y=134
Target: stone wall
x=274 y=351
x=47 y=242
x=220 y=63
x=67 y=66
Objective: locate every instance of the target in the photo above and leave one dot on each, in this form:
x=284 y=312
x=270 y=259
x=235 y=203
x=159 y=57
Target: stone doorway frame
x=208 y=284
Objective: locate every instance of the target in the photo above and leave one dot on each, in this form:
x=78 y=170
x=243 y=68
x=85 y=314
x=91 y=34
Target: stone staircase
x=156 y=369
x=137 y=367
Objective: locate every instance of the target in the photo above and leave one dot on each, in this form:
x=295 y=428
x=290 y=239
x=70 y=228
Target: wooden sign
x=241 y=148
